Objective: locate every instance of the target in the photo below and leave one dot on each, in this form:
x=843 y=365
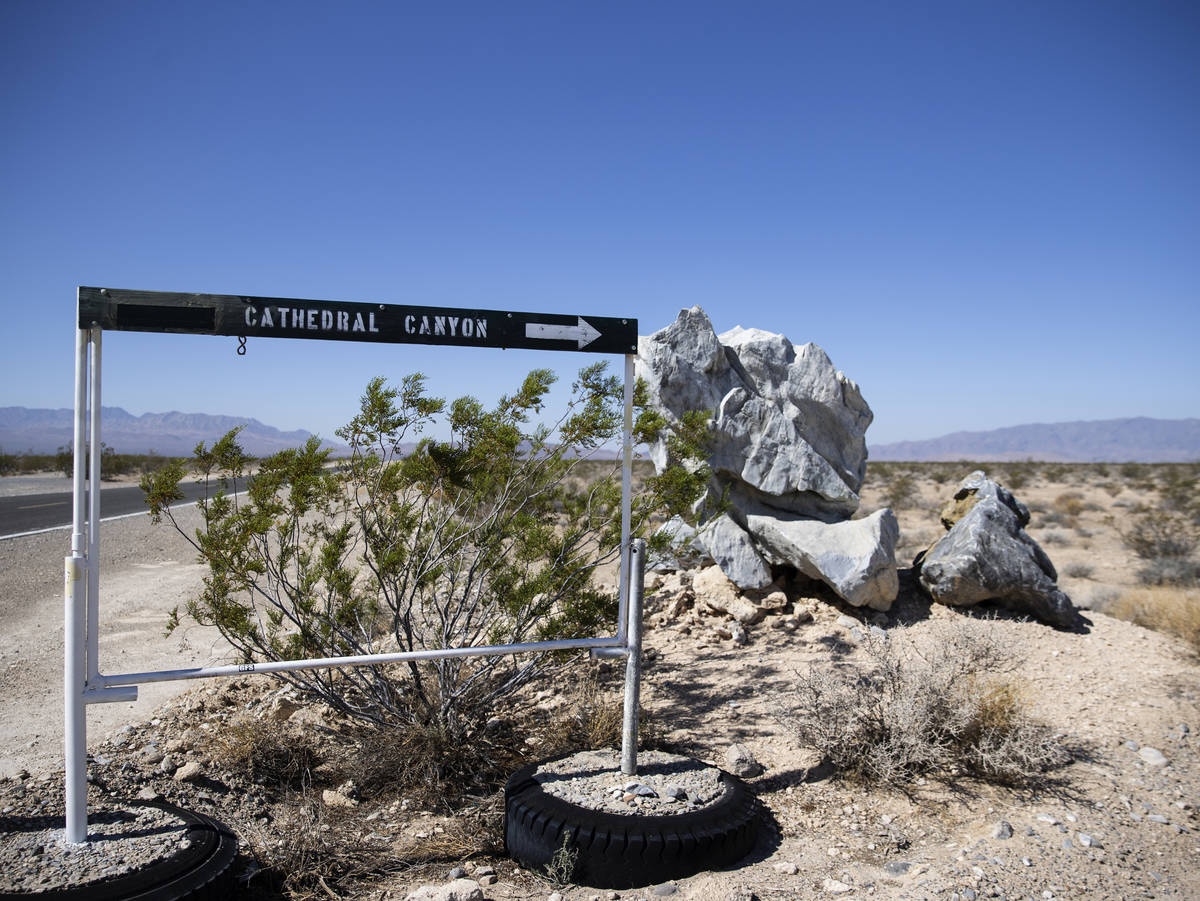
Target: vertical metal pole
x=74 y=601
x=626 y=498
x=93 y=552
x=633 y=663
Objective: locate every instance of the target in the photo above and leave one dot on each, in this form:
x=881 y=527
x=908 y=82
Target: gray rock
x=856 y=558
x=735 y=552
x=987 y=555
x=665 y=889
x=1088 y=841
x=788 y=442
x=787 y=425
x=1002 y=830
x=740 y=762
x=685 y=550
x=897 y=867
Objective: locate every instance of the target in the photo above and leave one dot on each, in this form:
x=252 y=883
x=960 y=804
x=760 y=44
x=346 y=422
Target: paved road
x=31 y=512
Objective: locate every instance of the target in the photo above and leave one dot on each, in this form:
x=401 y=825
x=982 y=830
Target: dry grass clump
x=946 y=705
x=1164 y=608
x=309 y=847
x=266 y=753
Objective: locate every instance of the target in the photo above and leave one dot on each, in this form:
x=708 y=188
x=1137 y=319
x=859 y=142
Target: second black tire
x=611 y=850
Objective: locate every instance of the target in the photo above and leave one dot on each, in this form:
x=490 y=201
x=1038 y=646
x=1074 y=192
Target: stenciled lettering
x=343 y=321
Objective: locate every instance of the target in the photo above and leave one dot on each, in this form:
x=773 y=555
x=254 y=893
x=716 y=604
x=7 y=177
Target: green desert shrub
x=481 y=539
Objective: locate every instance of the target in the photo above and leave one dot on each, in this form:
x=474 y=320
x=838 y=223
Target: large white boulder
x=788 y=455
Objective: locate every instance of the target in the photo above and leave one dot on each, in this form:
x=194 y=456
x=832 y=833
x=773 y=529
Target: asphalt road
x=32 y=512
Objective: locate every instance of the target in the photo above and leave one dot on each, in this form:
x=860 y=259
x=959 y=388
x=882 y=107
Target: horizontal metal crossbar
x=283 y=666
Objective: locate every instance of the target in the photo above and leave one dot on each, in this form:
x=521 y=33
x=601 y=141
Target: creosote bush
x=949 y=704
x=482 y=539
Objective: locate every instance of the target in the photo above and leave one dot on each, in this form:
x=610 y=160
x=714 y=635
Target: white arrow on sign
x=583 y=333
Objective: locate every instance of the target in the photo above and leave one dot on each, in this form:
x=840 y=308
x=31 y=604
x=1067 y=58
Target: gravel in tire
x=604 y=849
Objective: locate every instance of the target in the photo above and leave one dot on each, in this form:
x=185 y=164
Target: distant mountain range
x=1139 y=440
x=172 y=434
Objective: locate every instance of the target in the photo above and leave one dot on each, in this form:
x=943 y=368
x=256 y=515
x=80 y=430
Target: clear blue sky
x=986 y=213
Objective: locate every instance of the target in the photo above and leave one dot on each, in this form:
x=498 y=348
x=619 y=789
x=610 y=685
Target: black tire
x=611 y=850
x=200 y=871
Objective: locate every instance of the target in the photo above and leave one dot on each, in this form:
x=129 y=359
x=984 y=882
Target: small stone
x=665 y=889
x=336 y=799
x=641 y=790
x=1067 y=844
x=555 y=896
x=741 y=762
x=148 y=794
x=1132 y=745
x=1002 y=830
x=1157 y=818
x=485 y=870
x=458 y=890
x=1152 y=757
x=968 y=894
x=487 y=880
x=675 y=793
x=1047 y=818
x=191 y=771
x=787 y=868
x=897 y=867
x=835 y=887
x=168 y=764
x=1026 y=862
x=1088 y=841
x=457 y=873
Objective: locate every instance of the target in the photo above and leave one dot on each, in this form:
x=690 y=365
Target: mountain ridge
x=173 y=433
x=1138 y=439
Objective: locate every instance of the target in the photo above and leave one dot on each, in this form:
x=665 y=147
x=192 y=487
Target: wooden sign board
x=277 y=317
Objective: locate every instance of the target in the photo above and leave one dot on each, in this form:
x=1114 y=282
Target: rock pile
x=788 y=457
x=986 y=555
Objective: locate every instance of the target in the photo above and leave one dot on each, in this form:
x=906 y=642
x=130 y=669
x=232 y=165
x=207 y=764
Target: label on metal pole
x=274 y=317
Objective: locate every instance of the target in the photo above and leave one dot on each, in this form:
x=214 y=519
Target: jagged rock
x=856 y=558
x=740 y=762
x=788 y=456
x=988 y=556
x=714 y=590
x=686 y=551
x=788 y=428
x=732 y=548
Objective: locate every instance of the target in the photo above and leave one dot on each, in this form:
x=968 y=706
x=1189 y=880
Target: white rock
x=835 y=887
x=788 y=435
x=1152 y=756
x=458 y=890
x=856 y=558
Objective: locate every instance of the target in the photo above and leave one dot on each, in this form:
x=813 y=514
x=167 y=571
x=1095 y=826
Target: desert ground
x=1114 y=821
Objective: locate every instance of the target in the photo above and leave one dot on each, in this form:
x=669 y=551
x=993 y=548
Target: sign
x=276 y=317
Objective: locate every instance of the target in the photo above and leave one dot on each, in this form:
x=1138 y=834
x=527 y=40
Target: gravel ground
x=34 y=857
x=664 y=784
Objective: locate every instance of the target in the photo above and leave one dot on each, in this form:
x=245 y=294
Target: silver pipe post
x=626 y=498
x=633 y=662
x=93 y=519
x=74 y=603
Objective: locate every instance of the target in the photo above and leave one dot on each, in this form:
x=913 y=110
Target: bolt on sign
x=276 y=317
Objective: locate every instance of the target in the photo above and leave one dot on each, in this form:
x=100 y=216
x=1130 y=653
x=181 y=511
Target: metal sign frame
x=101 y=309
